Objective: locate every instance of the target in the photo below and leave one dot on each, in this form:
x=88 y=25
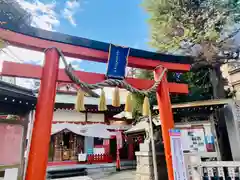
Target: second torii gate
x=37 y=39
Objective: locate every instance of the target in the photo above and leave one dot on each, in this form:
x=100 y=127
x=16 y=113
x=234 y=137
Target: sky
x=121 y=22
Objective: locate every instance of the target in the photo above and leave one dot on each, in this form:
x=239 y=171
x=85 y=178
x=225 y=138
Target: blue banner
x=117 y=62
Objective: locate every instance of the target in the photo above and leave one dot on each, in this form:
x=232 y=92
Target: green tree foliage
x=12 y=13
x=202 y=22
x=200 y=28
x=199 y=88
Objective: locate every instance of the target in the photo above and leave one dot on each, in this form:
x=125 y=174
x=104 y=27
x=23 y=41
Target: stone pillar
x=145 y=164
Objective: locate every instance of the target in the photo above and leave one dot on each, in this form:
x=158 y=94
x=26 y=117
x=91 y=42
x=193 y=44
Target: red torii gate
x=36 y=39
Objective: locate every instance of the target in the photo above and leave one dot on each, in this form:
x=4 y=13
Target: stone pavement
x=123 y=175
x=101 y=171
x=75 y=178
x=124 y=165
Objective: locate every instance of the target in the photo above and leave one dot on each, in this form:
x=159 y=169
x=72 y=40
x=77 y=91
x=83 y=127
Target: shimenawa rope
x=108 y=82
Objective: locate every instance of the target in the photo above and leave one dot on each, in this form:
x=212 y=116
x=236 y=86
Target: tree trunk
x=217 y=82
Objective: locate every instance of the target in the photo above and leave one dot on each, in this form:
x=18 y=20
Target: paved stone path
x=123 y=175
x=75 y=178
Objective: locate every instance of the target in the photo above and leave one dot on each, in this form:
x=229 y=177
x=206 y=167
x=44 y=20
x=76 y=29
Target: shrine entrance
x=117 y=58
x=66 y=140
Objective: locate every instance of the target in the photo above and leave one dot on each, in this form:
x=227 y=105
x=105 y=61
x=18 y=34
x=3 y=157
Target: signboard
x=209 y=138
x=179 y=167
x=117 y=62
x=98 y=151
x=11 y=144
x=193 y=140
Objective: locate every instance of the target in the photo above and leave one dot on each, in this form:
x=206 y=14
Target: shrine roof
x=71 y=99
x=200 y=110
x=15 y=99
x=142 y=125
x=110 y=112
x=91 y=130
x=67 y=102
x=194 y=104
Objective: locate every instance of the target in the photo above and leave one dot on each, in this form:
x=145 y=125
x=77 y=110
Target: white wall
x=68 y=115
x=73 y=116
x=95 y=117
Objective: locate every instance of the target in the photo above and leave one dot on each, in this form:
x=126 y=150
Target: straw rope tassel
x=116 y=97
x=146 y=107
x=79 y=106
x=129 y=103
x=102 y=104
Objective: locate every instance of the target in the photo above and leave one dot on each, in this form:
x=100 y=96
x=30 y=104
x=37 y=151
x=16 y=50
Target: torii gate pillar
x=38 y=159
x=166 y=117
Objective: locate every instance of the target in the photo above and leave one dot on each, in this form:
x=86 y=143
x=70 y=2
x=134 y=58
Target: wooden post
x=38 y=156
x=73 y=147
x=25 y=118
x=57 y=153
x=118 y=161
x=166 y=117
x=29 y=137
x=118 y=165
x=61 y=149
x=130 y=148
x=75 y=153
x=106 y=143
